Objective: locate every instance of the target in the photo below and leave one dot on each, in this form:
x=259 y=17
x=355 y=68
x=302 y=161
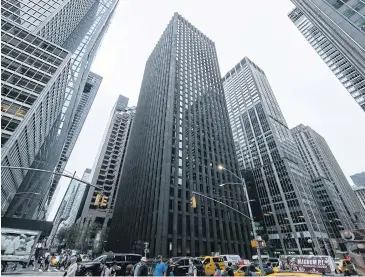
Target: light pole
x=243 y=184
x=311 y=244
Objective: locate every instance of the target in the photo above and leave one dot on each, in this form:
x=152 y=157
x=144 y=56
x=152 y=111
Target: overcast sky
x=305 y=88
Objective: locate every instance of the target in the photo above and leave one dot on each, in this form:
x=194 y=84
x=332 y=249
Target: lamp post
x=311 y=243
x=243 y=184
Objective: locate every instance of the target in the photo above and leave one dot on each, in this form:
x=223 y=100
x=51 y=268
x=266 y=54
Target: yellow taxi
x=209 y=264
x=342 y=265
x=239 y=270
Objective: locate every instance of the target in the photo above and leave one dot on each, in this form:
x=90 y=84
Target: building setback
x=42 y=88
x=360 y=193
x=359 y=179
x=180 y=134
x=265 y=145
x=336 y=30
x=337 y=200
x=107 y=169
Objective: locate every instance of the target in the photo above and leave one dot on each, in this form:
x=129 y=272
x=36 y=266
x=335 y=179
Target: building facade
x=336 y=198
x=69 y=209
x=43 y=87
x=107 y=170
x=179 y=136
x=360 y=193
x=265 y=145
x=336 y=30
x=359 y=179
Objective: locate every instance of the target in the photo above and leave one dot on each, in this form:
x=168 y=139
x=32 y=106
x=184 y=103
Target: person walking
x=141 y=268
x=161 y=268
x=251 y=270
x=192 y=269
x=31 y=262
x=106 y=270
x=47 y=261
x=218 y=271
x=129 y=270
x=229 y=270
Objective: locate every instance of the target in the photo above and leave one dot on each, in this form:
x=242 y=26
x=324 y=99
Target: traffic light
x=258 y=243
x=104 y=201
x=97 y=199
x=193 y=202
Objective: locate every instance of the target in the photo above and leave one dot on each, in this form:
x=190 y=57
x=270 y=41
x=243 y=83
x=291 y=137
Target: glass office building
x=339 y=202
x=336 y=30
x=180 y=134
x=57 y=42
x=265 y=145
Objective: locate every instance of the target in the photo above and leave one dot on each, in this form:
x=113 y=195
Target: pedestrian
x=141 y=268
x=78 y=257
x=41 y=263
x=192 y=269
x=114 y=269
x=129 y=270
x=160 y=269
x=47 y=261
x=105 y=270
x=31 y=262
x=229 y=270
x=251 y=270
x=218 y=271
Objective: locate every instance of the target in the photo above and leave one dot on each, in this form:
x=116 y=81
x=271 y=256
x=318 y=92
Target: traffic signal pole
x=241 y=213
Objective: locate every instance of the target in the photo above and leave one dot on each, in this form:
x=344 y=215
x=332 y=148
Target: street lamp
x=311 y=244
x=243 y=184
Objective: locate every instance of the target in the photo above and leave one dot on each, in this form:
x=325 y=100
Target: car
x=180 y=266
x=94 y=268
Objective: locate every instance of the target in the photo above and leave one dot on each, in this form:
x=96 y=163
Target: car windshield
x=100 y=259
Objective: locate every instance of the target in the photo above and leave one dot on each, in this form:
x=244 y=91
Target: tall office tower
x=180 y=134
x=336 y=30
x=47 y=51
x=107 y=170
x=70 y=206
x=265 y=145
x=359 y=179
x=339 y=206
x=87 y=98
x=360 y=193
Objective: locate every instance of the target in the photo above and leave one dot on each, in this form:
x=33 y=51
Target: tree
x=69 y=236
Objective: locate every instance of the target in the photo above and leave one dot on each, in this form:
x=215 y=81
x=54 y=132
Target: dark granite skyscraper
x=180 y=134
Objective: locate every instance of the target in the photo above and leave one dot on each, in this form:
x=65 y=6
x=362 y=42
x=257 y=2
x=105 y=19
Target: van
x=209 y=264
x=234 y=259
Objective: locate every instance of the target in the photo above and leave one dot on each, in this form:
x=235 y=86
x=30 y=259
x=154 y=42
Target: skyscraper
x=42 y=88
x=265 y=145
x=359 y=179
x=69 y=208
x=179 y=136
x=107 y=169
x=336 y=30
x=87 y=98
x=338 y=203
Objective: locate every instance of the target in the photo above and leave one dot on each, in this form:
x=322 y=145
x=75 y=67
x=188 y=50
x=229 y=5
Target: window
x=120 y=258
x=133 y=258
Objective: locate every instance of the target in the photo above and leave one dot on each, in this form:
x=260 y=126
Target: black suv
x=94 y=268
x=180 y=266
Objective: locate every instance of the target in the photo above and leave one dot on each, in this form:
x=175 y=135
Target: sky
x=305 y=88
